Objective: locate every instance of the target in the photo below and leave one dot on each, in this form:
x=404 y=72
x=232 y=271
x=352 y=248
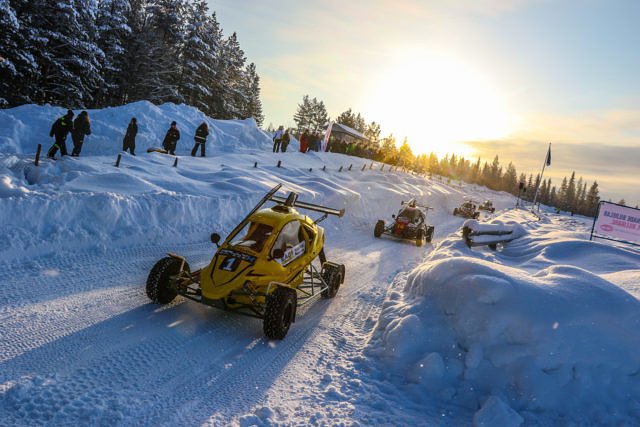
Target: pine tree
x=319 y=116
x=405 y=154
x=592 y=199
x=562 y=195
x=570 y=195
x=231 y=73
x=510 y=180
x=17 y=66
x=347 y=118
x=372 y=133
x=198 y=59
x=303 y=116
x=112 y=32
x=254 y=105
x=389 y=149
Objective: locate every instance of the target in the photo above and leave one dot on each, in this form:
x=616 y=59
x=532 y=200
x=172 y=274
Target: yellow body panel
x=235 y=273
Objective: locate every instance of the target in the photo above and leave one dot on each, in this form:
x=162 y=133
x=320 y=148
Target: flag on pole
x=327 y=134
x=548 y=160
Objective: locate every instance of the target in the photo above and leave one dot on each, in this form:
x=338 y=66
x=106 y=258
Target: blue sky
x=444 y=73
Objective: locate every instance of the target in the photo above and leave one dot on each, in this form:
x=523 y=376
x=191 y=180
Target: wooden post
x=363 y=167
x=255 y=165
x=382 y=167
x=310 y=169
x=38 y=154
x=279 y=163
x=350 y=166
x=371 y=165
x=175 y=164
x=340 y=170
x=118 y=160
x=324 y=168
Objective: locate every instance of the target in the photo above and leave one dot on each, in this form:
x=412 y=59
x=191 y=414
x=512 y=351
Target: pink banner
x=618 y=222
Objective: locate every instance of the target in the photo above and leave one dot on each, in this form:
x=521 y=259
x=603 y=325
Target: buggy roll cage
x=412 y=202
x=291 y=201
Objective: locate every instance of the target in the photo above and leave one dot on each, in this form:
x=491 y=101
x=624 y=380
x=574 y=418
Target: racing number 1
x=229 y=264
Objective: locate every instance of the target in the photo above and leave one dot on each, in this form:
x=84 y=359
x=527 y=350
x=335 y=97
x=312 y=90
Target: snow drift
x=548 y=345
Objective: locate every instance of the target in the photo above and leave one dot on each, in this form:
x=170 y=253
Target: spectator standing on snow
x=200 y=139
x=60 y=129
x=129 y=141
x=285 y=141
x=81 y=128
x=304 y=142
x=171 y=139
x=277 y=139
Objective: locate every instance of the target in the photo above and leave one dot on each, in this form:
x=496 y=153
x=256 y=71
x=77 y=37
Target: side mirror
x=215 y=238
x=277 y=253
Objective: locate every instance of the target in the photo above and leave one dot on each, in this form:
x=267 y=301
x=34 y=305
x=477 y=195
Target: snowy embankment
x=540 y=331
x=534 y=332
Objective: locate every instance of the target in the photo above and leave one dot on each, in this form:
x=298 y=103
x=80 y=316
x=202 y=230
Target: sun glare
x=438 y=102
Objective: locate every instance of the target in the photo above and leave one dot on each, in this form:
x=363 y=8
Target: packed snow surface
x=543 y=331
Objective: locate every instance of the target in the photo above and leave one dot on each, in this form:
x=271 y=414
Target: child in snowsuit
x=129 y=141
x=60 y=129
x=171 y=139
x=81 y=128
x=200 y=139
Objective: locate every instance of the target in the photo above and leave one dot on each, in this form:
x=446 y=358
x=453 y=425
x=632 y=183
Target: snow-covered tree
x=253 y=107
x=112 y=32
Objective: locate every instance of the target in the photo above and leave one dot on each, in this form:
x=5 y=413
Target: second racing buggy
x=265 y=268
x=487 y=206
x=467 y=210
x=410 y=224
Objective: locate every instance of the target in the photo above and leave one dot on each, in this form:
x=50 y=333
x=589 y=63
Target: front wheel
x=379 y=229
x=419 y=237
x=333 y=276
x=161 y=280
x=279 y=313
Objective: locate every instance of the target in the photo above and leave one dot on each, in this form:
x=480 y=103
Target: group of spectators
x=81 y=127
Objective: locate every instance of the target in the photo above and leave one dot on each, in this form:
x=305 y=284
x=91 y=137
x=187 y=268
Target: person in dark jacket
x=171 y=139
x=60 y=130
x=200 y=139
x=81 y=128
x=285 y=141
x=129 y=141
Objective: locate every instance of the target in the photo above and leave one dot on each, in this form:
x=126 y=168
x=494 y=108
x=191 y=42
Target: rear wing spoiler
x=417 y=205
x=292 y=200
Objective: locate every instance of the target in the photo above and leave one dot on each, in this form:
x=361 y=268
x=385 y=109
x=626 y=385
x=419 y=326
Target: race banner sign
x=618 y=222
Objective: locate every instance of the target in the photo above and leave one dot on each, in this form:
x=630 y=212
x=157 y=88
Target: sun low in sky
x=438 y=101
x=473 y=77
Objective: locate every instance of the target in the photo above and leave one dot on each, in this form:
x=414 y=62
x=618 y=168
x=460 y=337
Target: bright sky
x=476 y=77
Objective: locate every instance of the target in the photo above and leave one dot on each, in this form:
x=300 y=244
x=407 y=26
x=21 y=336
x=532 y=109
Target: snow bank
x=24 y=127
x=557 y=344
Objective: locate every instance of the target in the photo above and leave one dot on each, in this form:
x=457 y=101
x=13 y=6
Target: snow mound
x=560 y=343
x=27 y=126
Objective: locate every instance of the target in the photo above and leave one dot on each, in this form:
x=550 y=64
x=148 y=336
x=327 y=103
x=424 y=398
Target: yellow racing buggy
x=270 y=264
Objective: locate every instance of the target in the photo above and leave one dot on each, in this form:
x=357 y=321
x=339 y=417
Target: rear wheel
x=419 y=237
x=379 y=229
x=430 y=231
x=455 y=211
x=333 y=276
x=160 y=282
x=279 y=313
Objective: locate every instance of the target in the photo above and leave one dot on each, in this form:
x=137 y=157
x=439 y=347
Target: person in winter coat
x=277 y=139
x=81 y=128
x=171 y=139
x=285 y=141
x=304 y=142
x=200 y=139
x=60 y=129
x=129 y=141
